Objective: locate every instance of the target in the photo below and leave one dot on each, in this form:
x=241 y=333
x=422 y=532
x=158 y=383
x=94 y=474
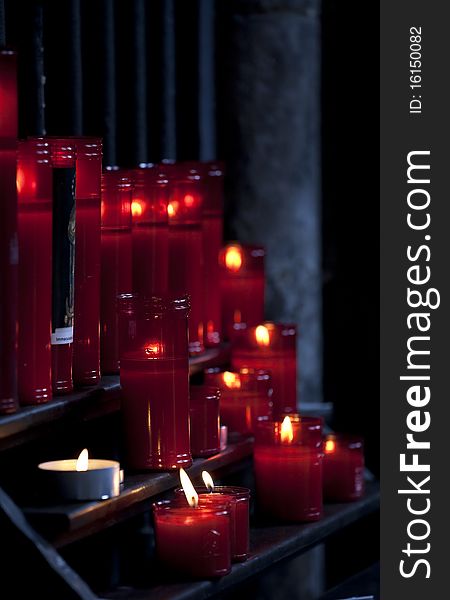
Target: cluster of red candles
x=126 y=271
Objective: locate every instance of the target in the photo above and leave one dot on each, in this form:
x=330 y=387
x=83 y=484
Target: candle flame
x=233 y=258
x=20 y=179
x=152 y=349
x=287 y=433
x=237 y=316
x=83 y=461
x=330 y=446
x=189 y=200
x=188 y=489
x=231 y=380
x=262 y=335
x=172 y=208
x=136 y=208
x=208 y=480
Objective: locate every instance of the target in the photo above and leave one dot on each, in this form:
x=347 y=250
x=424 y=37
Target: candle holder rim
x=132 y=303
x=232 y=490
x=210 y=392
x=184 y=509
x=353 y=441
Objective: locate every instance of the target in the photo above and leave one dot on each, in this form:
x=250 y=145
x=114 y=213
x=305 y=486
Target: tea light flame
x=330 y=446
x=83 y=461
x=152 y=349
x=208 y=481
x=231 y=380
x=286 y=433
x=172 y=208
x=233 y=258
x=262 y=335
x=136 y=208
x=188 y=489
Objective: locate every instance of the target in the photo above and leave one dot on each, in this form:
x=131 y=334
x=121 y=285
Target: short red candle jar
x=63 y=281
x=205 y=422
x=212 y=227
x=154 y=374
x=195 y=542
x=246 y=395
x=343 y=468
x=8 y=232
x=150 y=231
x=34 y=195
x=186 y=244
x=116 y=260
x=242 y=287
x=288 y=468
x=86 y=341
x=271 y=346
x=238 y=499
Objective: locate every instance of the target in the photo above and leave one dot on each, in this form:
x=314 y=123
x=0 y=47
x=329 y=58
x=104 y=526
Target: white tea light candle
x=83 y=478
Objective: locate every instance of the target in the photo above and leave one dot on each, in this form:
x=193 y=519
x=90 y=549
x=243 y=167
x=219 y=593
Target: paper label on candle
x=63 y=255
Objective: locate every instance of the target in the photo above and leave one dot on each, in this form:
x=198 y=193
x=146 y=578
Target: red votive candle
x=86 y=343
x=8 y=232
x=150 y=231
x=34 y=195
x=288 y=468
x=204 y=419
x=194 y=542
x=63 y=280
x=343 y=468
x=154 y=374
x=242 y=286
x=115 y=261
x=238 y=499
x=186 y=245
x=245 y=396
x=271 y=346
x=212 y=227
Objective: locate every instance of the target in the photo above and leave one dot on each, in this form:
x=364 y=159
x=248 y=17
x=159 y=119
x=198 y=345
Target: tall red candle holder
x=204 y=420
x=271 y=346
x=116 y=260
x=86 y=342
x=193 y=541
x=150 y=231
x=154 y=374
x=8 y=232
x=343 y=468
x=246 y=395
x=186 y=246
x=34 y=195
x=242 y=286
x=63 y=281
x=212 y=227
x=288 y=468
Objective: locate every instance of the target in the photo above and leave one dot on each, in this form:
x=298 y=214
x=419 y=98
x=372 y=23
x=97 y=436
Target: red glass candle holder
x=34 y=195
x=8 y=232
x=154 y=374
x=204 y=419
x=116 y=259
x=86 y=344
x=186 y=245
x=212 y=226
x=194 y=542
x=245 y=396
x=343 y=468
x=238 y=499
x=242 y=286
x=271 y=346
x=63 y=280
x=288 y=469
x=150 y=231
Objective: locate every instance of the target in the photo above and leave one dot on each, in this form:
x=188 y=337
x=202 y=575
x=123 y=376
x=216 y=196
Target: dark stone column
x=269 y=102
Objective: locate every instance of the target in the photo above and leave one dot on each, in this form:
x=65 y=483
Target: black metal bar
x=168 y=136
x=140 y=81
x=206 y=81
x=2 y=24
